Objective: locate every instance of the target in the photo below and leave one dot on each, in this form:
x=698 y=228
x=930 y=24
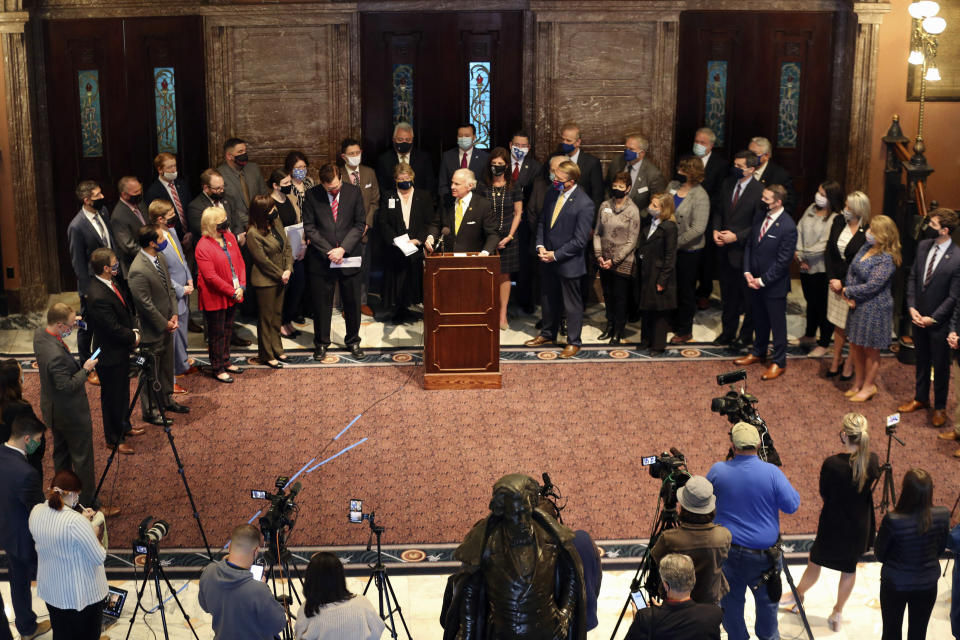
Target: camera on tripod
x=671 y=468
x=149 y=535
x=736 y=405
x=280 y=518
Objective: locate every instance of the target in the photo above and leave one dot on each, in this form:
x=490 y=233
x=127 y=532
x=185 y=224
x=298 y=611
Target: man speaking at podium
x=469 y=224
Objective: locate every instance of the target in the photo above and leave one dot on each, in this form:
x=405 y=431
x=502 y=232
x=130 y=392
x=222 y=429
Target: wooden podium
x=461 y=321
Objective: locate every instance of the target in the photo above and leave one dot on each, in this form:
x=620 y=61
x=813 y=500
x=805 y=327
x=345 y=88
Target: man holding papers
x=468 y=224
x=333 y=223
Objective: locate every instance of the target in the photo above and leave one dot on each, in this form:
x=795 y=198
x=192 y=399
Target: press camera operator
x=750 y=495
x=241 y=606
x=699 y=537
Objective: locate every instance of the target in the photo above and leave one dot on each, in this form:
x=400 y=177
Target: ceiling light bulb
x=923 y=9
x=915 y=57
x=933 y=74
x=934 y=25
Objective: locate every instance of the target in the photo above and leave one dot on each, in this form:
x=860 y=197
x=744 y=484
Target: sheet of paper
x=403 y=243
x=348 y=263
x=295 y=238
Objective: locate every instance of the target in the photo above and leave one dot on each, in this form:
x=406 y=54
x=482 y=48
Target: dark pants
x=73 y=449
x=524 y=292
x=814 y=287
x=4 y=623
x=115 y=400
x=733 y=294
x=22 y=572
x=616 y=288
x=688 y=268
x=743 y=570
x=707 y=269
x=84 y=336
x=219 y=333
x=76 y=625
x=269 y=307
x=161 y=368
x=586 y=282
x=293 y=293
x=561 y=296
x=770 y=314
x=932 y=350
x=323 y=286
x=249 y=305
x=892 y=604
x=653 y=328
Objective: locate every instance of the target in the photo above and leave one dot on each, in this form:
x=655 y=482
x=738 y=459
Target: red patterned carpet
x=432 y=457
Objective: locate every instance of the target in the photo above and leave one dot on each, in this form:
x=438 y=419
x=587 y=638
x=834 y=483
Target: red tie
x=355 y=177
x=516 y=171
x=172 y=188
x=334 y=205
x=117 y=291
x=736 y=194
x=764 y=226
x=463 y=161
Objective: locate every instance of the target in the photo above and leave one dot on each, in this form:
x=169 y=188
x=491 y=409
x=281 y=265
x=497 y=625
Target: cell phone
x=95 y=354
x=356 y=511
x=648 y=460
x=257 y=571
x=893 y=419
x=258 y=495
x=638 y=600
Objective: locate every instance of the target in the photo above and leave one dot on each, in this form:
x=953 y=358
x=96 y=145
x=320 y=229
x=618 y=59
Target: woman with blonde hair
x=657 y=252
x=846 y=527
x=870 y=323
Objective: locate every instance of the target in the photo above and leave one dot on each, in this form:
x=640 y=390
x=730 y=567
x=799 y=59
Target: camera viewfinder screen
x=356 y=511
x=258 y=495
x=648 y=460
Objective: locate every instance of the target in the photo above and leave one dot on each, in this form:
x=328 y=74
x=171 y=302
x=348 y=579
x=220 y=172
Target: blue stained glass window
x=788 y=117
x=479 y=80
x=403 y=93
x=91 y=128
x=165 y=96
x=716 y=107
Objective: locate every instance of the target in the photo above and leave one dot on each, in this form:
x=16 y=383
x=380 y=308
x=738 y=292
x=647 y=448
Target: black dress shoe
x=157 y=420
x=299 y=320
x=320 y=353
x=176 y=407
x=237 y=341
x=193 y=327
x=642 y=346
x=356 y=351
x=722 y=339
x=606 y=333
x=275 y=365
x=616 y=339
x=234 y=369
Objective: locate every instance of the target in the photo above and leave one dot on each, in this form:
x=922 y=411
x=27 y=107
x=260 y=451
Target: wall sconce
x=927 y=25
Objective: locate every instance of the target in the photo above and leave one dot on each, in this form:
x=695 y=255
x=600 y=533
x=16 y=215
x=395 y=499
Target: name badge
x=392 y=203
x=236 y=282
x=643 y=189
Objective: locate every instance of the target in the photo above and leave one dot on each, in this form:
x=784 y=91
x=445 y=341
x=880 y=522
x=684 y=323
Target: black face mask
x=135 y=200
x=96 y=204
x=618 y=193
x=241 y=159
x=404 y=147
x=680 y=178
x=223 y=226
x=404 y=185
x=216 y=196
x=930 y=233
x=287 y=189
x=498 y=169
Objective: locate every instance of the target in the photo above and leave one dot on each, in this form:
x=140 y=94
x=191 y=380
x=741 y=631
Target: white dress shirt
x=773 y=215
x=99 y=225
x=940 y=249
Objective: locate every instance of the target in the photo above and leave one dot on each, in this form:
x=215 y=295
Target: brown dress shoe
x=178 y=390
x=569 y=351
x=773 y=371
x=911 y=406
x=681 y=339
x=366 y=310
x=110 y=512
x=189 y=372
x=538 y=341
x=93 y=378
x=939 y=418
x=956 y=454
x=125 y=449
x=948 y=435
x=136 y=431
x=747 y=360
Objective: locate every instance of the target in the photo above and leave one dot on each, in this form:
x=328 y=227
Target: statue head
x=514 y=497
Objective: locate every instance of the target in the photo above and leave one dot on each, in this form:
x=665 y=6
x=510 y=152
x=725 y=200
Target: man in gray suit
x=63 y=400
x=242 y=180
x=127 y=217
x=156 y=304
x=645 y=177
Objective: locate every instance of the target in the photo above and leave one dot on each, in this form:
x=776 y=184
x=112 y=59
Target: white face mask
x=821 y=201
x=699 y=150
x=354 y=161
x=170 y=176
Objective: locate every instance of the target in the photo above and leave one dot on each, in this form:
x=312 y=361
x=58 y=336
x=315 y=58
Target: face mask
x=64 y=334
x=354 y=161
x=170 y=176
x=567 y=148
x=162 y=245
x=618 y=193
x=870 y=238
x=931 y=233
x=241 y=159
x=172 y=223
x=223 y=226
x=738 y=173
x=699 y=150
x=655 y=213
x=96 y=204
x=216 y=196
x=629 y=155
x=273 y=214
x=553 y=176
x=518 y=153
x=299 y=174
x=679 y=177
x=820 y=201
x=465 y=143
x=759 y=159
x=32 y=446
x=71 y=502
x=557 y=185
x=848 y=215
x=404 y=147
x=498 y=169
x=115 y=269
x=403 y=185
x=137 y=199
x=286 y=189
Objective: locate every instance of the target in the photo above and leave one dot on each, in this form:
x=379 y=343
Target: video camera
x=280 y=518
x=148 y=536
x=671 y=468
x=738 y=406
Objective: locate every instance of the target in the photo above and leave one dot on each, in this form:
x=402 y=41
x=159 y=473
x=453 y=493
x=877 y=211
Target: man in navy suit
x=562 y=234
x=766 y=269
x=402 y=151
x=170 y=186
x=333 y=222
x=19 y=492
x=465 y=156
x=933 y=289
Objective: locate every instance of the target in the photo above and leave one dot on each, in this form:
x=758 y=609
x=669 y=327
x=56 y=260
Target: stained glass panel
x=403 y=93
x=91 y=129
x=165 y=96
x=716 y=108
x=479 y=81
x=789 y=112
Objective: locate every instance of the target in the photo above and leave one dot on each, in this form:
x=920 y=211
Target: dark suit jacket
x=195 y=214
x=112 y=323
x=569 y=235
x=716 y=171
x=256 y=186
x=19 y=492
x=591 y=177
x=369 y=191
x=940 y=296
x=450 y=162
x=270 y=257
x=775 y=174
x=156 y=191
x=769 y=257
x=530 y=169
x=658 y=265
x=738 y=219
x=126 y=229
x=478 y=229
x=419 y=162
x=83 y=239
x=153 y=296
x=423 y=218
x=63 y=393
x=324 y=234
x=836 y=265
x=649 y=181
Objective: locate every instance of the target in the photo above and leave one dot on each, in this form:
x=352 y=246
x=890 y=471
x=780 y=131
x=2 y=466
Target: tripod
x=280 y=558
x=889 y=496
x=793 y=590
x=666 y=518
x=385 y=589
x=153 y=569
x=148 y=379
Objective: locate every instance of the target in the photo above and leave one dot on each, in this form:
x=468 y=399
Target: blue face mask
x=465 y=142
x=519 y=153
x=738 y=173
x=567 y=148
x=403 y=185
x=699 y=150
x=759 y=159
x=115 y=268
x=629 y=155
x=557 y=185
x=162 y=245
x=299 y=174
x=869 y=237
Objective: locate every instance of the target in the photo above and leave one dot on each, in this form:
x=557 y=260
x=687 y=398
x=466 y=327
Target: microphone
x=294 y=490
x=443 y=235
x=676 y=453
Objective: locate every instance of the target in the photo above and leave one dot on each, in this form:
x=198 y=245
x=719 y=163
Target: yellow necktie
x=459 y=217
x=556 y=210
x=170 y=240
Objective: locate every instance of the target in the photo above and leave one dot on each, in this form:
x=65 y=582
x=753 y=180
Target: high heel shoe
x=844 y=378
x=834 y=621
x=849 y=393
x=834 y=374
x=857 y=398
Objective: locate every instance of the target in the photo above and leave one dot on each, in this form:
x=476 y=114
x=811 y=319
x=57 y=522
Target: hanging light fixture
x=926 y=26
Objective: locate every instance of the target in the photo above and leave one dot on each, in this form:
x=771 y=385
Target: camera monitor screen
x=356 y=511
x=258 y=495
x=257 y=571
x=648 y=460
x=113 y=605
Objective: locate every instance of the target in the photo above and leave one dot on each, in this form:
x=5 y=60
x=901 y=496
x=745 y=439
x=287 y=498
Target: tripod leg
x=106 y=470
x=143 y=587
x=176 y=599
x=796 y=597
x=163 y=610
x=369 y=580
x=396 y=602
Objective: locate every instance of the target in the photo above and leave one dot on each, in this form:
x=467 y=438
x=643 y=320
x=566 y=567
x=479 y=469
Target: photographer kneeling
x=750 y=495
x=700 y=538
x=679 y=617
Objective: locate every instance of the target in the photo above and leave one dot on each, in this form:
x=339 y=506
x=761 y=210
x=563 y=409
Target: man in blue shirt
x=750 y=495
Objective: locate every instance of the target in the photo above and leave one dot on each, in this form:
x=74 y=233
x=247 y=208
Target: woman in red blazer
x=221 y=280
